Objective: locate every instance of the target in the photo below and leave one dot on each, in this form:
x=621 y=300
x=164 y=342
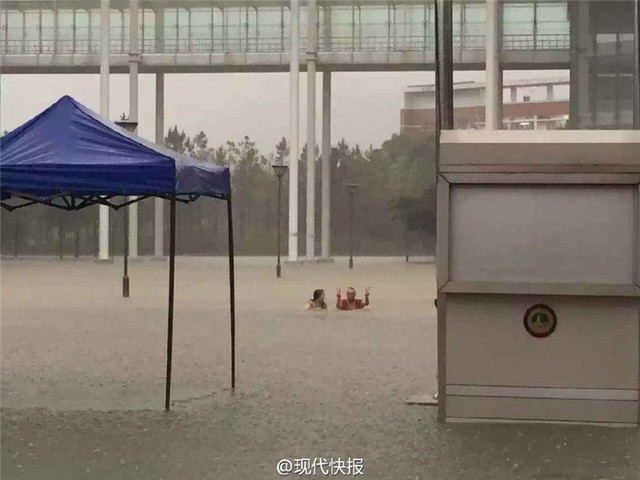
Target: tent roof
x=69 y=149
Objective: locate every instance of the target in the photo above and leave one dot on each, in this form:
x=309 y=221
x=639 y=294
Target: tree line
x=394 y=204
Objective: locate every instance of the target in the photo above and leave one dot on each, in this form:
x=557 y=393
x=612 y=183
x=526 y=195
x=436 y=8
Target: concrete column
x=326 y=166
x=579 y=96
x=312 y=52
x=445 y=13
x=494 y=87
x=158 y=244
x=134 y=58
x=549 y=93
x=294 y=70
x=103 y=252
x=636 y=69
x=514 y=94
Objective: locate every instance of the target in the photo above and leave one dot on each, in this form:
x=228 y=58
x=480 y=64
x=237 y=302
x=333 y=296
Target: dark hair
x=316 y=295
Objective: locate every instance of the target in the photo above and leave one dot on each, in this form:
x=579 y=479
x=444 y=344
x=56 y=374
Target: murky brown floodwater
x=83 y=380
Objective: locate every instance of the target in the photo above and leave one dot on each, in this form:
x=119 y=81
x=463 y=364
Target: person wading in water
x=351 y=302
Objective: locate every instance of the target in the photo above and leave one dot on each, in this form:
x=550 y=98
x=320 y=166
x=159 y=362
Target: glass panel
x=32 y=31
x=126 y=27
x=82 y=31
x=233 y=29
x=286 y=28
x=269 y=29
x=417 y=21
x=374 y=29
x=303 y=28
x=553 y=27
x=474 y=26
x=201 y=30
x=248 y=25
x=430 y=27
x=148 y=36
x=47 y=31
x=518 y=19
x=518 y=26
x=342 y=28
x=95 y=30
x=171 y=30
x=116 y=31
x=402 y=27
x=65 y=31
x=556 y=12
x=14 y=31
x=183 y=44
x=218 y=29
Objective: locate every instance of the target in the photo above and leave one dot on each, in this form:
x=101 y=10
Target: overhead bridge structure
x=63 y=36
x=193 y=36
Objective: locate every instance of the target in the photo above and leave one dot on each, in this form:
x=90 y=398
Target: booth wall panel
x=551 y=234
x=542 y=409
x=595 y=344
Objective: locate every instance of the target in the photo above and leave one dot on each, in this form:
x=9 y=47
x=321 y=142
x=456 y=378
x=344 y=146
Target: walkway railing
x=278 y=45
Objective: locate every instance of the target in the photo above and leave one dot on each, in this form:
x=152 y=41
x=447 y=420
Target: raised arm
x=338 y=299
x=366 y=296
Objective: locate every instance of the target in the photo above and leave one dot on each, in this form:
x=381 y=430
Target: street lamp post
x=16 y=234
x=351 y=188
x=130 y=127
x=279 y=170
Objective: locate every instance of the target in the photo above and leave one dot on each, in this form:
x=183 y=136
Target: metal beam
x=104 y=112
x=134 y=59
x=312 y=51
x=294 y=69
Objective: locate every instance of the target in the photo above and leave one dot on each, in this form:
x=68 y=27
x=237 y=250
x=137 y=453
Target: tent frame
x=73 y=202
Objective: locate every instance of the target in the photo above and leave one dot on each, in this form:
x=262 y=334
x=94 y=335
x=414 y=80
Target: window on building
x=526 y=98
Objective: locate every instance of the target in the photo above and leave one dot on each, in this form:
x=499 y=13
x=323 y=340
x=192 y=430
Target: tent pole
x=125 y=275
x=77 y=235
x=60 y=234
x=172 y=269
x=232 y=294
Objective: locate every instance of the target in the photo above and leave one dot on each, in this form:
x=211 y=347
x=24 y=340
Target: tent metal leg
x=61 y=234
x=172 y=270
x=125 y=274
x=232 y=294
x=77 y=235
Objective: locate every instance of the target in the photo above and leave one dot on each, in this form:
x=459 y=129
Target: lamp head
x=279 y=169
x=128 y=125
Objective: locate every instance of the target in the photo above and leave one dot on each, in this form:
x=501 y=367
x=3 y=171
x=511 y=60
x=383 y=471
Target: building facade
x=537 y=104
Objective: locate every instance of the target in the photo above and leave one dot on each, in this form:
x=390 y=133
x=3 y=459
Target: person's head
x=351 y=294
x=318 y=295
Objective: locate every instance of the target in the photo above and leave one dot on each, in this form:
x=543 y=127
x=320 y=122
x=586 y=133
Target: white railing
x=81 y=46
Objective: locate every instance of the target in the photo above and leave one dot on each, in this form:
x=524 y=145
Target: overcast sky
x=365 y=106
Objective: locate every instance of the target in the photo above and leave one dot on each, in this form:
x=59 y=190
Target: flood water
x=83 y=379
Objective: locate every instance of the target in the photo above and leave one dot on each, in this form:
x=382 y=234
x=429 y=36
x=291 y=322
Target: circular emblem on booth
x=540 y=321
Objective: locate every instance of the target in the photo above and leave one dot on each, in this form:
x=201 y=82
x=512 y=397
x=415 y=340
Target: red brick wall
x=418 y=120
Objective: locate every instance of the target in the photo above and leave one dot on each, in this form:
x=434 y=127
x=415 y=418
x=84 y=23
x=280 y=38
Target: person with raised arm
x=351 y=302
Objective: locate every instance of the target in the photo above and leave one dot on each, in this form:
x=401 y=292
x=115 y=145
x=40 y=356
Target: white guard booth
x=539 y=277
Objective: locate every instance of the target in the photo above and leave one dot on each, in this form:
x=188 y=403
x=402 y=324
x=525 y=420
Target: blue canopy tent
x=70 y=158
